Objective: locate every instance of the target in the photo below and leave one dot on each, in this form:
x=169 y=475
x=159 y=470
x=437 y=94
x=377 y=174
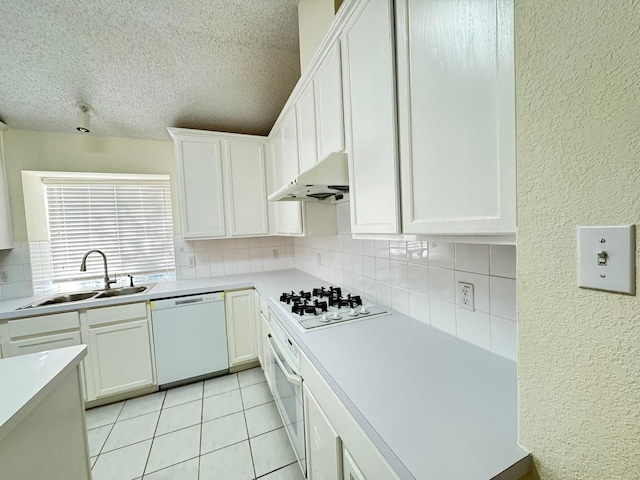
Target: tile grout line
x=253 y=465
x=153 y=439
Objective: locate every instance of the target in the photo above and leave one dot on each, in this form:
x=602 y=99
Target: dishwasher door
x=190 y=337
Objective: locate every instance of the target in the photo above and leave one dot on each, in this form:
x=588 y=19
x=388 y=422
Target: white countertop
x=26 y=380
x=435 y=406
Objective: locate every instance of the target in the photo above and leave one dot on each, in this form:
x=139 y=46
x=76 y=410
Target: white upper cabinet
x=221 y=184
x=457 y=116
x=287 y=165
x=370 y=118
x=246 y=188
x=288 y=219
x=306 y=121
x=327 y=85
x=199 y=166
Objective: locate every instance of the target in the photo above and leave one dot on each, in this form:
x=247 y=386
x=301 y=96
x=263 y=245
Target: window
x=127 y=217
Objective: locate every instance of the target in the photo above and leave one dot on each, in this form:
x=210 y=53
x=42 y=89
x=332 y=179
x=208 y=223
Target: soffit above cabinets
x=224 y=65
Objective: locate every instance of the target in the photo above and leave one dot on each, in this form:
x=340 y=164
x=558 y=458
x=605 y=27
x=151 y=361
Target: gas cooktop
x=326 y=306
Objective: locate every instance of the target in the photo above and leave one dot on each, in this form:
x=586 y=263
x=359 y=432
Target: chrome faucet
x=83 y=267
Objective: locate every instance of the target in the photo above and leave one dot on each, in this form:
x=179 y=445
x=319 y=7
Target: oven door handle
x=291 y=377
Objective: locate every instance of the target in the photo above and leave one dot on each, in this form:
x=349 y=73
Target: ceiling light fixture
x=83 y=119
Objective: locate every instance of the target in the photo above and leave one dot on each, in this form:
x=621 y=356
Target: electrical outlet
x=275 y=253
x=4 y=277
x=192 y=261
x=319 y=259
x=465 y=296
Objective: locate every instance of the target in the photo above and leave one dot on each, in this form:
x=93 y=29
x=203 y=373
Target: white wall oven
x=282 y=368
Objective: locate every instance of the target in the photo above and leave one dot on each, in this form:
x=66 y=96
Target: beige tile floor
x=226 y=428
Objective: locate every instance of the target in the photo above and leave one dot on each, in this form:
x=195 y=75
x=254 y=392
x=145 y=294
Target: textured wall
x=314 y=18
x=578 y=117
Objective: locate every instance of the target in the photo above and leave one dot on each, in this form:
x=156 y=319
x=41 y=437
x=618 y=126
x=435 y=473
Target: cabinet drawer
x=47 y=342
x=44 y=324
x=131 y=311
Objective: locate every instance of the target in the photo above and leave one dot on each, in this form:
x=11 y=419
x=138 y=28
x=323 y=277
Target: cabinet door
x=456 y=109
x=199 y=166
x=246 y=188
x=328 y=98
x=370 y=118
x=324 y=446
x=287 y=167
x=120 y=357
x=258 y=325
x=350 y=469
x=241 y=327
x=306 y=121
x=288 y=219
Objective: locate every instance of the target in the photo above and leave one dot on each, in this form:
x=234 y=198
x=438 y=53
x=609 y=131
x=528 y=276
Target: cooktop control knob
x=364 y=310
x=353 y=313
x=324 y=318
x=336 y=316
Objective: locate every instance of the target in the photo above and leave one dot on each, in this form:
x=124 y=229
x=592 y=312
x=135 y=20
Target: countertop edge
x=69 y=356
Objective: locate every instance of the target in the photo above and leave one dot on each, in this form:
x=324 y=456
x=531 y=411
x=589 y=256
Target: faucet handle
x=130 y=277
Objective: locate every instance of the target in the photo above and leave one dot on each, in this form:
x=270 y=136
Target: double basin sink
x=88 y=295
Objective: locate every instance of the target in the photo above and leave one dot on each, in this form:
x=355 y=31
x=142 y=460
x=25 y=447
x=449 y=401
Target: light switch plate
x=606 y=258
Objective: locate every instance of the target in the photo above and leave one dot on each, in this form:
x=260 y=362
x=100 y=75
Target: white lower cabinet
x=241 y=329
x=44 y=332
x=120 y=354
x=323 y=442
x=350 y=470
x=258 y=324
x=332 y=430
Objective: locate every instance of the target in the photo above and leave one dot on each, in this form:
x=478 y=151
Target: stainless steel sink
x=68 y=297
x=90 y=294
x=116 y=292
x=63 y=298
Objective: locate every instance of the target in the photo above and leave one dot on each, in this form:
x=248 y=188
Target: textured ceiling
x=226 y=65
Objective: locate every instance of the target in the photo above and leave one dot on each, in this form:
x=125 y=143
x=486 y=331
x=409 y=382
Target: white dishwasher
x=190 y=337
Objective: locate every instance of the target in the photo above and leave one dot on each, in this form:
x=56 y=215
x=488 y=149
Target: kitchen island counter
x=435 y=406
x=42 y=423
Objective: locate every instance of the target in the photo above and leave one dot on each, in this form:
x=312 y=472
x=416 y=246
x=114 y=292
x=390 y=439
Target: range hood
x=328 y=181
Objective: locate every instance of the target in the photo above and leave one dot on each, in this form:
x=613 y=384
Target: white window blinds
x=129 y=220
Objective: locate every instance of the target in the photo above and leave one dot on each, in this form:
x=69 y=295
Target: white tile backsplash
x=503 y=297
x=228 y=256
x=442 y=284
x=504 y=337
x=419 y=307
x=441 y=254
x=17 y=265
x=474 y=327
x=472 y=258
x=443 y=315
x=419 y=279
